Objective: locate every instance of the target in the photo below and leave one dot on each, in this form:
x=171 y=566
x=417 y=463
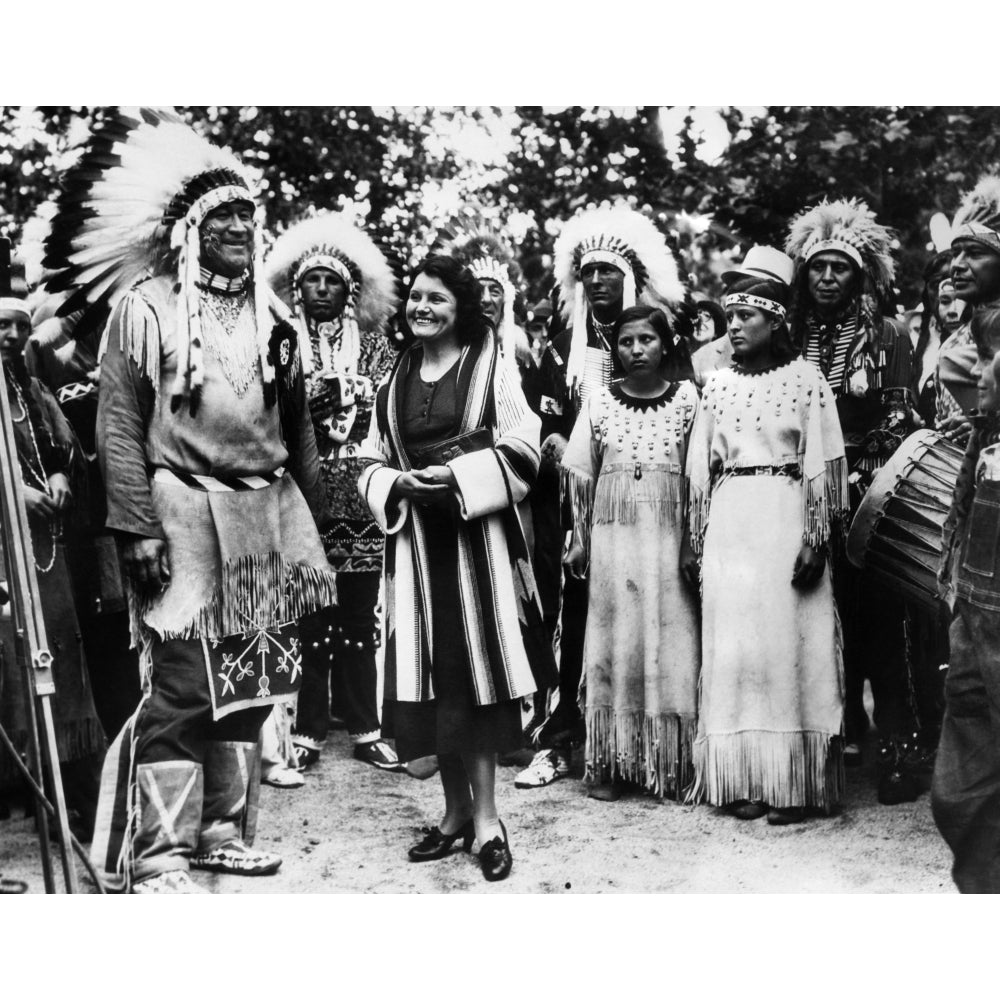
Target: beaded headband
x=978 y=232
x=756 y=301
x=330 y=263
x=841 y=246
x=603 y=255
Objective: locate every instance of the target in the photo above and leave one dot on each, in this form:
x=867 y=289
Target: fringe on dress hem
x=781 y=769
x=653 y=751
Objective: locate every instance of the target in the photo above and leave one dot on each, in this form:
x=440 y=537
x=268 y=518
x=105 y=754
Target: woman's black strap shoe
x=495 y=858
x=437 y=844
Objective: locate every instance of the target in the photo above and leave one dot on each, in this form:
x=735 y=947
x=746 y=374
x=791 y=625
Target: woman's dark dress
x=452 y=722
x=79 y=737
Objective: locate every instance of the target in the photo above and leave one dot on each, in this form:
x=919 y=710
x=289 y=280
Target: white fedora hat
x=765 y=263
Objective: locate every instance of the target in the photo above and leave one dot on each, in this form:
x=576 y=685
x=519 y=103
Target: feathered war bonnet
x=334 y=242
x=619 y=236
x=485 y=253
x=849 y=228
x=131 y=208
x=978 y=217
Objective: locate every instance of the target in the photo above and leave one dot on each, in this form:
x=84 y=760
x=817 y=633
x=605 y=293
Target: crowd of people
x=264 y=486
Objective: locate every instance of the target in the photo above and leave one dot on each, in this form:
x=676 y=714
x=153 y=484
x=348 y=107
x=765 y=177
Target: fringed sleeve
x=699 y=467
x=825 y=499
x=581 y=464
x=136 y=330
x=494 y=479
x=376 y=481
x=126 y=398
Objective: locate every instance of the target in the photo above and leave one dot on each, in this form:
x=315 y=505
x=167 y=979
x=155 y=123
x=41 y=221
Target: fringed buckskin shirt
x=231 y=434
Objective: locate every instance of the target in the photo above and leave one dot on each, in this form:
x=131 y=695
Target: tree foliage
x=906 y=162
x=406 y=170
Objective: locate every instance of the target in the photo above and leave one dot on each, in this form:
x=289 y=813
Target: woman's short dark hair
x=717 y=313
x=470 y=322
x=781 y=340
x=676 y=362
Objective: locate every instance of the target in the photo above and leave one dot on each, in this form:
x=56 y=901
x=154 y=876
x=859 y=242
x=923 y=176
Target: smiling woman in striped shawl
x=456 y=450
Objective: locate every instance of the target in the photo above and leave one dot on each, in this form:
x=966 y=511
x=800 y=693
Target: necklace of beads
x=24 y=412
x=39 y=477
x=231 y=338
x=225 y=309
x=603 y=330
x=226 y=286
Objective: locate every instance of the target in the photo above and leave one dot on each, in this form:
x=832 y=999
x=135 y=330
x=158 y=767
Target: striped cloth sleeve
x=376 y=481
x=500 y=477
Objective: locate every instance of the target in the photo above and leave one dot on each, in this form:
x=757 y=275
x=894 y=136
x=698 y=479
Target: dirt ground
x=348 y=828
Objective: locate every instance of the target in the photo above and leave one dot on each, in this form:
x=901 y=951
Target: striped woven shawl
x=500 y=610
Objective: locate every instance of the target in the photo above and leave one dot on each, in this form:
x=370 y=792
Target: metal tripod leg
x=62 y=817
x=49 y=811
x=29 y=628
x=37 y=769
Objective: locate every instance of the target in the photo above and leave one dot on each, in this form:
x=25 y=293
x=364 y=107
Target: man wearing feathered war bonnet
x=206 y=450
x=843 y=287
x=965 y=795
x=975 y=267
x=486 y=253
x=342 y=292
x=607 y=259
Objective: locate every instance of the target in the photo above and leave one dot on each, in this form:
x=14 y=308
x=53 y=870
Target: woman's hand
x=553 y=449
x=423 y=486
x=956 y=428
x=62 y=495
x=442 y=474
x=808 y=567
x=147 y=563
x=575 y=561
x=689 y=566
x=39 y=506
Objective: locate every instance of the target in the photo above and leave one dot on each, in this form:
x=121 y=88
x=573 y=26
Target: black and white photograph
x=433 y=499
x=491 y=500
x=466 y=528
